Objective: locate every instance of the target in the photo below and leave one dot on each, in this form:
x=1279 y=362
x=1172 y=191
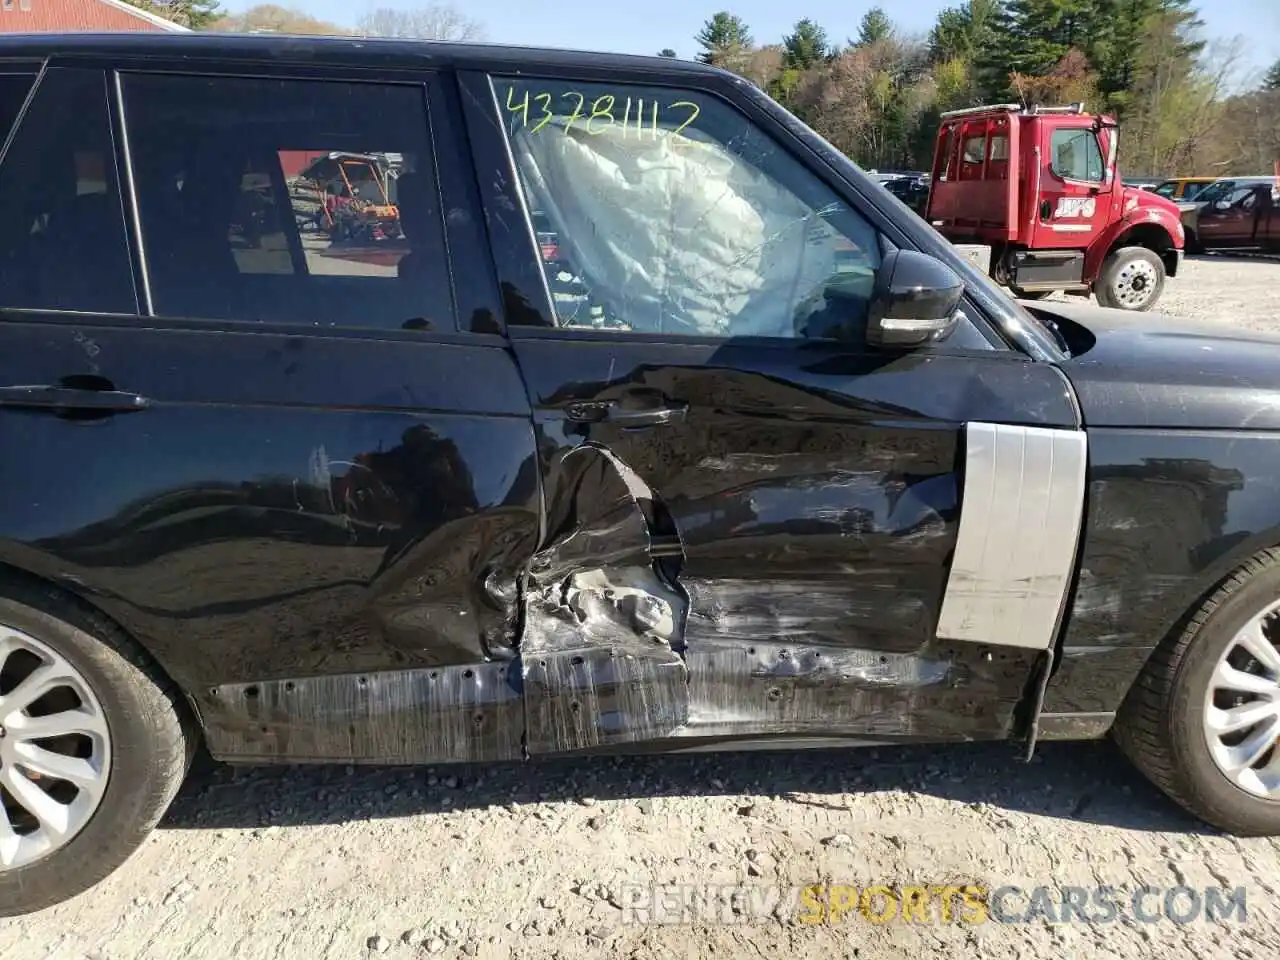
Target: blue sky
x=649 y=25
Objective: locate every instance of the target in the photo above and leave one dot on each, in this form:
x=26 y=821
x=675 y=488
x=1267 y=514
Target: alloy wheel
x=55 y=750
x=1242 y=709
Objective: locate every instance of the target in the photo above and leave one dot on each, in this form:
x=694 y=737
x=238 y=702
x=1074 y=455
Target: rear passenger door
x=237 y=407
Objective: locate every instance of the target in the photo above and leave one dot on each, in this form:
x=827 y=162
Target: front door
x=1232 y=220
x=1075 y=192
x=771 y=511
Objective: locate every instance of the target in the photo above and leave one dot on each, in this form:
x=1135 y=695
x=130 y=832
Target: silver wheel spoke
x=1246 y=753
x=9 y=839
x=32 y=687
x=47 y=763
x=52 y=815
x=1242 y=717
x=1255 y=641
x=1230 y=678
x=59 y=724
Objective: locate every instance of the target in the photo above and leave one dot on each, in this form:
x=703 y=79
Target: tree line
x=878 y=95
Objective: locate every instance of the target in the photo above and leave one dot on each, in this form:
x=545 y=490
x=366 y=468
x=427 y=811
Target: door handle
x=45 y=397
x=611 y=411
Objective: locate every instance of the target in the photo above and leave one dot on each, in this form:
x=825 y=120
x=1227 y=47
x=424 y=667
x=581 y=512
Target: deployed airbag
x=677 y=232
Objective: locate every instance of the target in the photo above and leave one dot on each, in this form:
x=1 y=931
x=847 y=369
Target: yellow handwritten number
x=522 y=107
x=577 y=111
x=601 y=107
x=544 y=101
x=693 y=115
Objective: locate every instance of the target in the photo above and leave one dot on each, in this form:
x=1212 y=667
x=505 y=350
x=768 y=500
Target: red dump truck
x=1039 y=187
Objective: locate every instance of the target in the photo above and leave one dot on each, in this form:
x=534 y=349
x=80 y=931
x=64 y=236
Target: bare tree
x=435 y=21
x=271 y=18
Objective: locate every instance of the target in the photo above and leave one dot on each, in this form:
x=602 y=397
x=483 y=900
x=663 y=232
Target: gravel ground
x=540 y=861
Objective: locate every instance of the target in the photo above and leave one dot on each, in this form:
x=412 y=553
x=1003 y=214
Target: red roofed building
x=79 y=16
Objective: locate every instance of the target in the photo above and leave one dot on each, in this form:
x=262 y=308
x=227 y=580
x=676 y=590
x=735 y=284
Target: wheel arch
x=1152 y=236
x=82 y=602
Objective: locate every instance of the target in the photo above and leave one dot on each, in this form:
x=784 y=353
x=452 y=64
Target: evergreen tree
x=806 y=46
x=964 y=32
x=875 y=27
x=667 y=52
x=1272 y=80
x=1042 y=32
x=724 y=37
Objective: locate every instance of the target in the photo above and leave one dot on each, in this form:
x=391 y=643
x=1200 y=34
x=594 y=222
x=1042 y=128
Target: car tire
x=148 y=746
x=1131 y=278
x=1163 y=726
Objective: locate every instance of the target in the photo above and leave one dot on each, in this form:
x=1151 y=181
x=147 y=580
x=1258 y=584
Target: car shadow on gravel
x=1084 y=782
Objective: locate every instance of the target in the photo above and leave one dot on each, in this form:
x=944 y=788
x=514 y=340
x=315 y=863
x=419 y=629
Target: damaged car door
x=761 y=521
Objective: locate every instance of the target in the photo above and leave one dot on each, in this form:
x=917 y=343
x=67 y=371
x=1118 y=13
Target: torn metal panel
x=944 y=691
x=599 y=648
x=1019 y=529
x=463 y=713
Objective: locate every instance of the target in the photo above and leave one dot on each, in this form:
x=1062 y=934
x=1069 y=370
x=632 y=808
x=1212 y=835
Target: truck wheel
x=1202 y=720
x=1131 y=279
x=92 y=748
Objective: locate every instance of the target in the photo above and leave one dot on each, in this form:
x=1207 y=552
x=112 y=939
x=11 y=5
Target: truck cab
x=1039 y=186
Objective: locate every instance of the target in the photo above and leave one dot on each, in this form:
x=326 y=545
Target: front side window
x=1076 y=155
x=665 y=211
x=288 y=201
x=1167 y=190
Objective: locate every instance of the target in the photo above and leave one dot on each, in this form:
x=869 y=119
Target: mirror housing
x=915 y=301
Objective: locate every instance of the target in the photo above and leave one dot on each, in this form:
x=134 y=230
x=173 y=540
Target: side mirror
x=1222 y=204
x=915 y=300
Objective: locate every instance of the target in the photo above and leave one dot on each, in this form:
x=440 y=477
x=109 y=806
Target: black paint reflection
x=362 y=560
x=1161 y=529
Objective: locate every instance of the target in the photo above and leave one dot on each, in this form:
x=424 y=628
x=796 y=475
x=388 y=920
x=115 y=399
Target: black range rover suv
x=314 y=448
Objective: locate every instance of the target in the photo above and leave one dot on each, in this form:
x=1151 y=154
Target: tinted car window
x=14 y=88
x=1076 y=155
x=62 y=237
x=1168 y=190
x=293 y=202
x=672 y=214
x=1216 y=191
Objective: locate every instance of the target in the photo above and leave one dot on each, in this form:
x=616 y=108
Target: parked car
x=797 y=475
x=1241 y=212
x=913 y=191
x=1183 y=188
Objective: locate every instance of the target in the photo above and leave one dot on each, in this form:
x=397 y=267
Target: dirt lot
x=538 y=861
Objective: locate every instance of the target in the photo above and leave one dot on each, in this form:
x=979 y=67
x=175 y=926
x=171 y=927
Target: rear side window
x=62 y=237
x=14 y=88
x=288 y=201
